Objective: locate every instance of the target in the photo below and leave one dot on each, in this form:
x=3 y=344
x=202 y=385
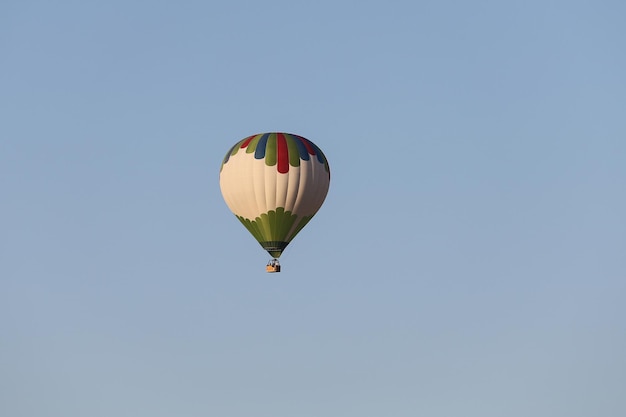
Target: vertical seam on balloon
x=292 y=186
x=270 y=197
x=254 y=190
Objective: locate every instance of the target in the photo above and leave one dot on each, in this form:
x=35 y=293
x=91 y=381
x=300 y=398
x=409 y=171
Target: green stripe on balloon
x=273 y=225
x=292 y=148
x=270 y=150
x=252 y=145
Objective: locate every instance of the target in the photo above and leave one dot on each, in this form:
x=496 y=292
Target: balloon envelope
x=274 y=183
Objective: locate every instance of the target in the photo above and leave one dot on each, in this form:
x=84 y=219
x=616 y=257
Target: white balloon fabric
x=274 y=183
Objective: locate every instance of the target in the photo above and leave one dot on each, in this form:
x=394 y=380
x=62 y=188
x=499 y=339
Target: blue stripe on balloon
x=230 y=152
x=259 y=153
x=304 y=154
x=318 y=152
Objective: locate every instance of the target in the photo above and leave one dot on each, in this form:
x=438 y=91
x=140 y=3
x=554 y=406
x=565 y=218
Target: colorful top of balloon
x=274 y=183
x=280 y=149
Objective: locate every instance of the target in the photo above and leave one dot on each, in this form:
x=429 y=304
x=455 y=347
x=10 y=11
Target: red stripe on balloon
x=283 y=153
x=247 y=141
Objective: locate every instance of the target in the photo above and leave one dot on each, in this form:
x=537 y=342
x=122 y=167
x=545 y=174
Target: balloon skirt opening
x=274 y=248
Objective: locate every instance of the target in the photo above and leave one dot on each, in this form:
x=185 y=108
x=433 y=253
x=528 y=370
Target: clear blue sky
x=469 y=260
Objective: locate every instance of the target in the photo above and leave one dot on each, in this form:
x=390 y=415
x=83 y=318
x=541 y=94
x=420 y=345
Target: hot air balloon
x=274 y=183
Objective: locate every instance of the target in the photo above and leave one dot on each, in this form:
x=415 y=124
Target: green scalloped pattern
x=271 y=229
